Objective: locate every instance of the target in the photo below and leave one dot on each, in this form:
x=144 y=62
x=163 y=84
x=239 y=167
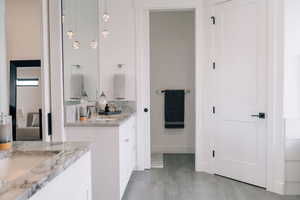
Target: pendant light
x=76 y=44
x=70 y=34
x=105 y=18
x=105 y=15
x=63 y=11
x=105 y=33
x=93 y=44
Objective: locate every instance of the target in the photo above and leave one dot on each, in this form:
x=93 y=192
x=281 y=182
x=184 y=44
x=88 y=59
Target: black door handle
x=260 y=115
x=146 y=109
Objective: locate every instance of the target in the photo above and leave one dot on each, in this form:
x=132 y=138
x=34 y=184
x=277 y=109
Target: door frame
x=56 y=61
x=143 y=77
x=14 y=65
x=203 y=140
x=45 y=70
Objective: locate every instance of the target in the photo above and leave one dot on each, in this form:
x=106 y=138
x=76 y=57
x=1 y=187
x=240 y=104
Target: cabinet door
x=124 y=156
x=74 y=183
x=133 y=144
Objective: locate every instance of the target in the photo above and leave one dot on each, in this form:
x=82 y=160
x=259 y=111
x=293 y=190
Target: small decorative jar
x=101 y=102
x=5 y=132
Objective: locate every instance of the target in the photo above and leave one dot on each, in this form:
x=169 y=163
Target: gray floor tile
x=178 y=181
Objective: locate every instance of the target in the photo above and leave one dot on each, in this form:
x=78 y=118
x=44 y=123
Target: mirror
x=3 y=67
x=80 y=49
x=20 y=67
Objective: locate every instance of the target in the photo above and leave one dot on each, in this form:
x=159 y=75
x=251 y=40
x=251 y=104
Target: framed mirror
x=80 y=49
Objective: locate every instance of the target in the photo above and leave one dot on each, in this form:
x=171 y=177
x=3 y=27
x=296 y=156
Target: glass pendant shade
x=70 y=34
x=105 y=17
x=105 y=33
x=94 y=44
x=76 y=45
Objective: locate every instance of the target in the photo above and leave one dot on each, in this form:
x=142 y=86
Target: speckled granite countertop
x=102 y=121
x=128 y=110
x=58 y=157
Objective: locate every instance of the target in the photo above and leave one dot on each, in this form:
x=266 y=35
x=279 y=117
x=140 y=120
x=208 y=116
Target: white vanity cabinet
x=74 y=183
x=127 y=153
x=113 y=156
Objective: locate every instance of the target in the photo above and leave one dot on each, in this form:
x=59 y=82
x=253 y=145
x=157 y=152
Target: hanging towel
x=174 y=109
x=77 y=85
x=119 y=86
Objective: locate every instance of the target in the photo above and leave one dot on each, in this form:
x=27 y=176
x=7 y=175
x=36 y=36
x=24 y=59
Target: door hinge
x=214 y=110
x=213 y=153
x=213 y=18
x=49 y=124
x=214 y=65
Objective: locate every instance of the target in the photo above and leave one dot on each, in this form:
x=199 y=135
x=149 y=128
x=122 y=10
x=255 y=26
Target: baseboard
x=292 y=188
x=277 y=187
x=172 y=149
x=203 y=167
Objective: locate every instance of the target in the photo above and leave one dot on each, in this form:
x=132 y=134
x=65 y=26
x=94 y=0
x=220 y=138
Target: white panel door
x=241 y=82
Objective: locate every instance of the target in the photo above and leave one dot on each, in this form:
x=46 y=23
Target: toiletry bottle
x=83 y=110
x=107 y=108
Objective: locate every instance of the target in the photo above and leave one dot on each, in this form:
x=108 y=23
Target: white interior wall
x=119 y=47
x=172 y=66
x=23 y=23
x=29 y=99
x=3 y=65
x=292 y=95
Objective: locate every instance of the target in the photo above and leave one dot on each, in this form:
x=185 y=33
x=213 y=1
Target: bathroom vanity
x=46 y=171
x=113 y=152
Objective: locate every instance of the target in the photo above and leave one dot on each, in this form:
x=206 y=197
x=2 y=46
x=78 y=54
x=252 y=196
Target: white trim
x=57 y=101
x=143 y=76
x=45 y=71
x=292 y=188
x=276 y=130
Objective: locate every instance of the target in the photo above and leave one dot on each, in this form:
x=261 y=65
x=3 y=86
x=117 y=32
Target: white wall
x=292 y=59
x=3 y=65
x=29 y=99
x=23 y=22
x=119 y=47
x=172 y=66
x=292 y=95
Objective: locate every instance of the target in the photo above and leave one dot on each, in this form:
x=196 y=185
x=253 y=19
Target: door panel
x=240 y=139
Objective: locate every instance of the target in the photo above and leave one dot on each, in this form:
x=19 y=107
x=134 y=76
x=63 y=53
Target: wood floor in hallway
x=179 y=181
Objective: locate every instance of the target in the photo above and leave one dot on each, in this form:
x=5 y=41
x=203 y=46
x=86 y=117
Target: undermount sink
x=18 y=163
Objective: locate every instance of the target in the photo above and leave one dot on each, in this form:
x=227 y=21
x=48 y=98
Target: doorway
x=26 y=100
x=172 y=84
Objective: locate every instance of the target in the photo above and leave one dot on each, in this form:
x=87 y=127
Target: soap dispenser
x=5 y=132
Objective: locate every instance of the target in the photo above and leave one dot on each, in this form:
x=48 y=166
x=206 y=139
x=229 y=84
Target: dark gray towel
x=174 y=108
